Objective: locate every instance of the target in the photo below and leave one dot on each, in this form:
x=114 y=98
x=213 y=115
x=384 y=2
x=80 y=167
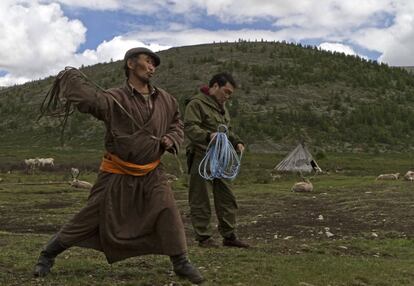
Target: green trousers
x=224 y=203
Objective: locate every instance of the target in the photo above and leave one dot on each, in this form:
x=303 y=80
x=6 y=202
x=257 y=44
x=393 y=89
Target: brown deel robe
x=127 y=215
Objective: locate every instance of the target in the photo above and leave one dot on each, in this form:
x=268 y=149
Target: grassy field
x=372 y=222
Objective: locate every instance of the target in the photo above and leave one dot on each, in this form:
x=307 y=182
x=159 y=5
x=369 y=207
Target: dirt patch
x=25 y=220
x=314 y=217
x=300 y=220
x=26 y=228
x=307 y=218
x=264 y=217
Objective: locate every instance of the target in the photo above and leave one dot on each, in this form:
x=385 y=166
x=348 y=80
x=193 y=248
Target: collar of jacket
x=209 y=100
x=133 y=92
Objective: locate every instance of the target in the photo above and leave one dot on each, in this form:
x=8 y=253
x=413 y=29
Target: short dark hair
x=126 y=68
x=222 y=79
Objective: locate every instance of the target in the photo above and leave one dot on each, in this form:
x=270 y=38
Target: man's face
x=142 y=67
x=222 y=94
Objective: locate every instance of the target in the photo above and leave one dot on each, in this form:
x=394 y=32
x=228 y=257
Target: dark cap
x=136 y=51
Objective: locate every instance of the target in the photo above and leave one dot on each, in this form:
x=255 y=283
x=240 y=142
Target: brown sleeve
x=83 y=94
x=175 y=130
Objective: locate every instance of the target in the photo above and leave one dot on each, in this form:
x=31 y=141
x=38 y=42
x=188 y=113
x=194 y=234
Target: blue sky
x=52 y=34
x=102 y=25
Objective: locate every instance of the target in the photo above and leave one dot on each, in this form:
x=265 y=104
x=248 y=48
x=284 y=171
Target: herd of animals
x=32 y=164
x=304 y=186
x=307 y=186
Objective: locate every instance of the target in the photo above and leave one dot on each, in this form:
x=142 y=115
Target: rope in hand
x=57 y=106
x=221 y=160
x=53 y=105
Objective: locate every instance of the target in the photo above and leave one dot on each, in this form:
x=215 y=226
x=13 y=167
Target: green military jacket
x=202 y=117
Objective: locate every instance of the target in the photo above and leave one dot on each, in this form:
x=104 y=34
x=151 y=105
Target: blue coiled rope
x=221 y=160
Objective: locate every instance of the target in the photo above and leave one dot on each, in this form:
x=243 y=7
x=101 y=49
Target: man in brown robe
x=131 y=209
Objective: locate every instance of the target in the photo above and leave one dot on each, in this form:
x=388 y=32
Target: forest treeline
x=287 y=92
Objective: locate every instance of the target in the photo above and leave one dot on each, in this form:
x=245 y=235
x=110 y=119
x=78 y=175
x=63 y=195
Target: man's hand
x=167 y=143
x=213 y=135
x=240 y=148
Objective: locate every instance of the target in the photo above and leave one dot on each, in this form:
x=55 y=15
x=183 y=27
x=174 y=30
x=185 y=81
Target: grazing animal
x=75 y=173
x=47 y=162
x=328 y=233
x=80 y=184
x=409 y=176
x=303 y=187
x=31 y=165
x=388 y=176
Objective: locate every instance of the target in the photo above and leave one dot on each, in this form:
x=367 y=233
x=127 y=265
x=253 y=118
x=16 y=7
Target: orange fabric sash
x=115 y=165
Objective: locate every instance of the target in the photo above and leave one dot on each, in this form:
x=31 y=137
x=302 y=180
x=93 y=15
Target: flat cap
x=136 y=51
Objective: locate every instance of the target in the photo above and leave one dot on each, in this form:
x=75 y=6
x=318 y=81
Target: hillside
x=287 y=92
x=410 y=69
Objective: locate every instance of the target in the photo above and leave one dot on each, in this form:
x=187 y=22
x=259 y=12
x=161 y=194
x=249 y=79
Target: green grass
x=372 y=222
x=382 y=262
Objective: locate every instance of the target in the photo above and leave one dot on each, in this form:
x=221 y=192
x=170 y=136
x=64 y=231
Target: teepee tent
x=299 y=160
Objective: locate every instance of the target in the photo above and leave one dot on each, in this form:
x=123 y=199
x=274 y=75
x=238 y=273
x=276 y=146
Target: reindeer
x=388 y=176
x=409 y=176
x=78 y=183
x=302 y=187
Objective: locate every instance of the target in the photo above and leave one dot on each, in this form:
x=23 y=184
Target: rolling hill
x=287 y=92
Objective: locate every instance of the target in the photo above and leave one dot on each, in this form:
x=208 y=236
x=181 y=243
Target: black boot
x=47 y=257
x=183 y=268
x=233 y=241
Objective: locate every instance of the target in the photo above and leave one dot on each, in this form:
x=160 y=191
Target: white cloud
x=114 y=49
x=90 y=4
x=336 y=14
x=395 y=42
x=202 y=36
x=132 y=6
x=385 y=26
x=35 y=38
x=9 y=79
x=337 y=47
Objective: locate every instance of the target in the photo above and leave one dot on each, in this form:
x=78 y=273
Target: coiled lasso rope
x=221 y=160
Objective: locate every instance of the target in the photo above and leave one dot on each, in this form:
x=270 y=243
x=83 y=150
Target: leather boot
x=47 y=257
x=183 y=268
x=233 y=241
x=208 y=243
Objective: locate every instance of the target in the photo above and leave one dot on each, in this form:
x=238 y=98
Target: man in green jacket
x=203 y=114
